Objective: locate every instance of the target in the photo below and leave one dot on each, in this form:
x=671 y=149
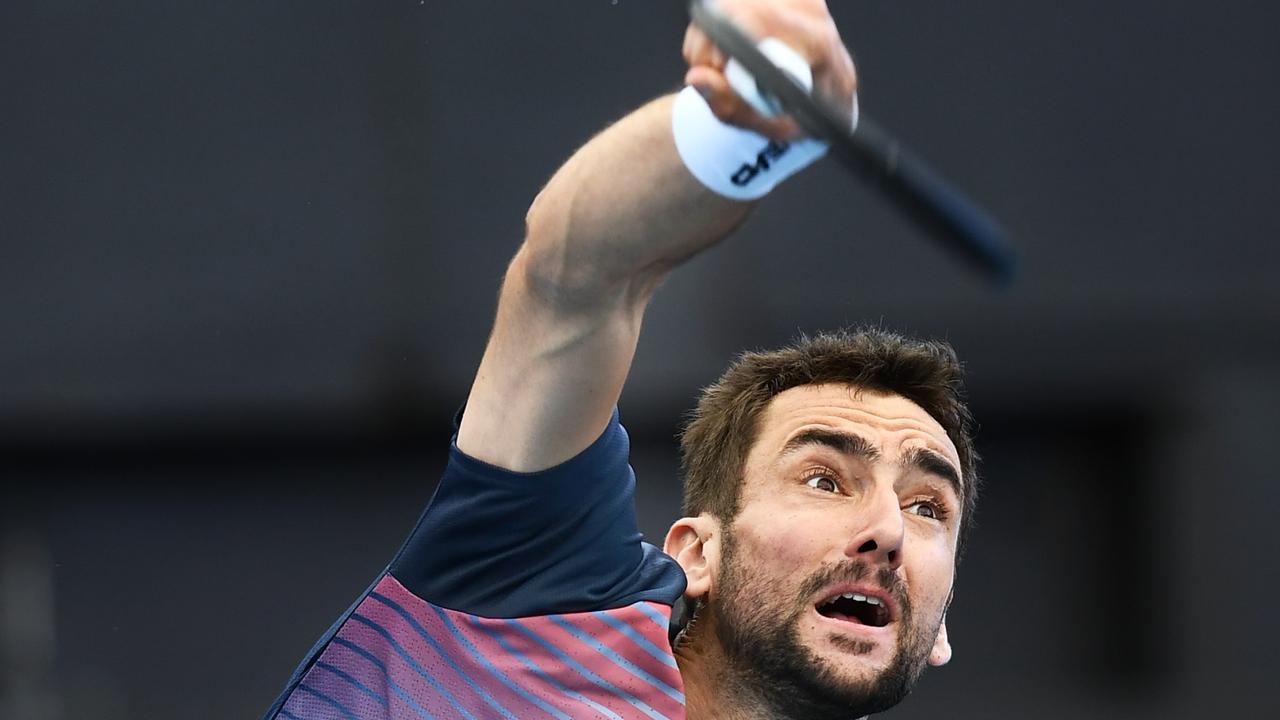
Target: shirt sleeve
x=497 y=543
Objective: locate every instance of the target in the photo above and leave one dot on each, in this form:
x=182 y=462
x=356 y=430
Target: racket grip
x=933 y=201
x=786 y=58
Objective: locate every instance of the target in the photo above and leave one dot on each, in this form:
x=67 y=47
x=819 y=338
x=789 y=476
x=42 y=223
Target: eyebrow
x=922 y=459
x=845 y=443
x=928 y=461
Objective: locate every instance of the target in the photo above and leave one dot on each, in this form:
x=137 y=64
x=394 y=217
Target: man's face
x=847 y=492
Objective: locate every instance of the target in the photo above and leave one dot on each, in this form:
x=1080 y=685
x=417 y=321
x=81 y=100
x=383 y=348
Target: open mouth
x=856 y=608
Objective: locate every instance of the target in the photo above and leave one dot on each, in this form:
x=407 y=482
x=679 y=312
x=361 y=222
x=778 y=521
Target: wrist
x=735 y=163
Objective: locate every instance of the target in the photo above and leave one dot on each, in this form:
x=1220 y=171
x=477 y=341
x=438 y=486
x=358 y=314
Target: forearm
x=622 y=212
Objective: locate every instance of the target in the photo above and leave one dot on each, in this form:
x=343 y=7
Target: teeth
x=861 y=598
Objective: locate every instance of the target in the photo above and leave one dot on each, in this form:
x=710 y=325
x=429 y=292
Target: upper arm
x=553 y=368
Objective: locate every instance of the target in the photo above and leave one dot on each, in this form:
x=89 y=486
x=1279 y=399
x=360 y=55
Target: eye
x=823 y=482
x=927 y=509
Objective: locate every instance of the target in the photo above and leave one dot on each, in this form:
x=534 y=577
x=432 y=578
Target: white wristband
x=736 y=163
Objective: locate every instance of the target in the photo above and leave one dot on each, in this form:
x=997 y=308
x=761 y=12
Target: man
x=826 y=483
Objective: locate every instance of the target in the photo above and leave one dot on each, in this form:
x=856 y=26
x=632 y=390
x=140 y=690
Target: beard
x=759 y=632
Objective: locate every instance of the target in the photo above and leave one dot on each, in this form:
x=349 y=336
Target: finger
x=693 y=38
x=757 y=20
x=810 y=31
x=816 y=39
x=726 y=105
x=699 y=50
x=842 y=75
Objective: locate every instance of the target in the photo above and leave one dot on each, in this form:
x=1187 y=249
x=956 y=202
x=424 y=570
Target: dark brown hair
x=724 y=426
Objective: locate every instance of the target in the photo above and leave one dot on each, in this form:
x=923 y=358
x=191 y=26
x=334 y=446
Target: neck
x=710 y=688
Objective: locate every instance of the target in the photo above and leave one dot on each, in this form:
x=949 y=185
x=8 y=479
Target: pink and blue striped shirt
x=516 y=596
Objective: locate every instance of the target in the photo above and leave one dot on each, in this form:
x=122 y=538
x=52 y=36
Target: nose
x=878 y=534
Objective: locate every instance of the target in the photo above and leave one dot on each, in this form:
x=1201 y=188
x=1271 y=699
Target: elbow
x=541 y=219
x=548 y=274
x=576 y=264
x=555 y=266
x=543 y=261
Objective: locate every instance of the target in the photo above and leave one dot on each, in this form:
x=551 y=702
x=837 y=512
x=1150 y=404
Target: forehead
x=891 y=422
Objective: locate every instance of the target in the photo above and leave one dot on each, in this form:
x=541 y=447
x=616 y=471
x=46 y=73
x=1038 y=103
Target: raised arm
x=612 y=222
x=600 y=237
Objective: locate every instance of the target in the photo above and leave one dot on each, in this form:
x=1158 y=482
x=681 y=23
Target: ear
x=941 y=653
x=695 y=543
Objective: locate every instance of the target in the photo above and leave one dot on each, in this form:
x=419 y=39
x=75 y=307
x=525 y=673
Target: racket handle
x=786 y=58
x=908 y=181
x=931 y=200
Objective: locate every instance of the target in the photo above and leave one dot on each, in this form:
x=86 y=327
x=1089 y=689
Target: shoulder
x=498 y=543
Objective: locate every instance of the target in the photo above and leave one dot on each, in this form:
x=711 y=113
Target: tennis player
x=827 y=484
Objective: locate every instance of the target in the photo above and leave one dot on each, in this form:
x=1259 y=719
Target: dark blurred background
x=249 y=253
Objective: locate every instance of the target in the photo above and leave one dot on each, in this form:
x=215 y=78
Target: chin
x=854 y=645
x=854 y=666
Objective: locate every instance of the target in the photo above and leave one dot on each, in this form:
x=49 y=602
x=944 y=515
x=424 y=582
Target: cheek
x=933 y=570
x=784 y=541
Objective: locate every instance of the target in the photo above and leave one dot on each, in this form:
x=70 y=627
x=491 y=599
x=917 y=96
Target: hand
x=804 y=25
